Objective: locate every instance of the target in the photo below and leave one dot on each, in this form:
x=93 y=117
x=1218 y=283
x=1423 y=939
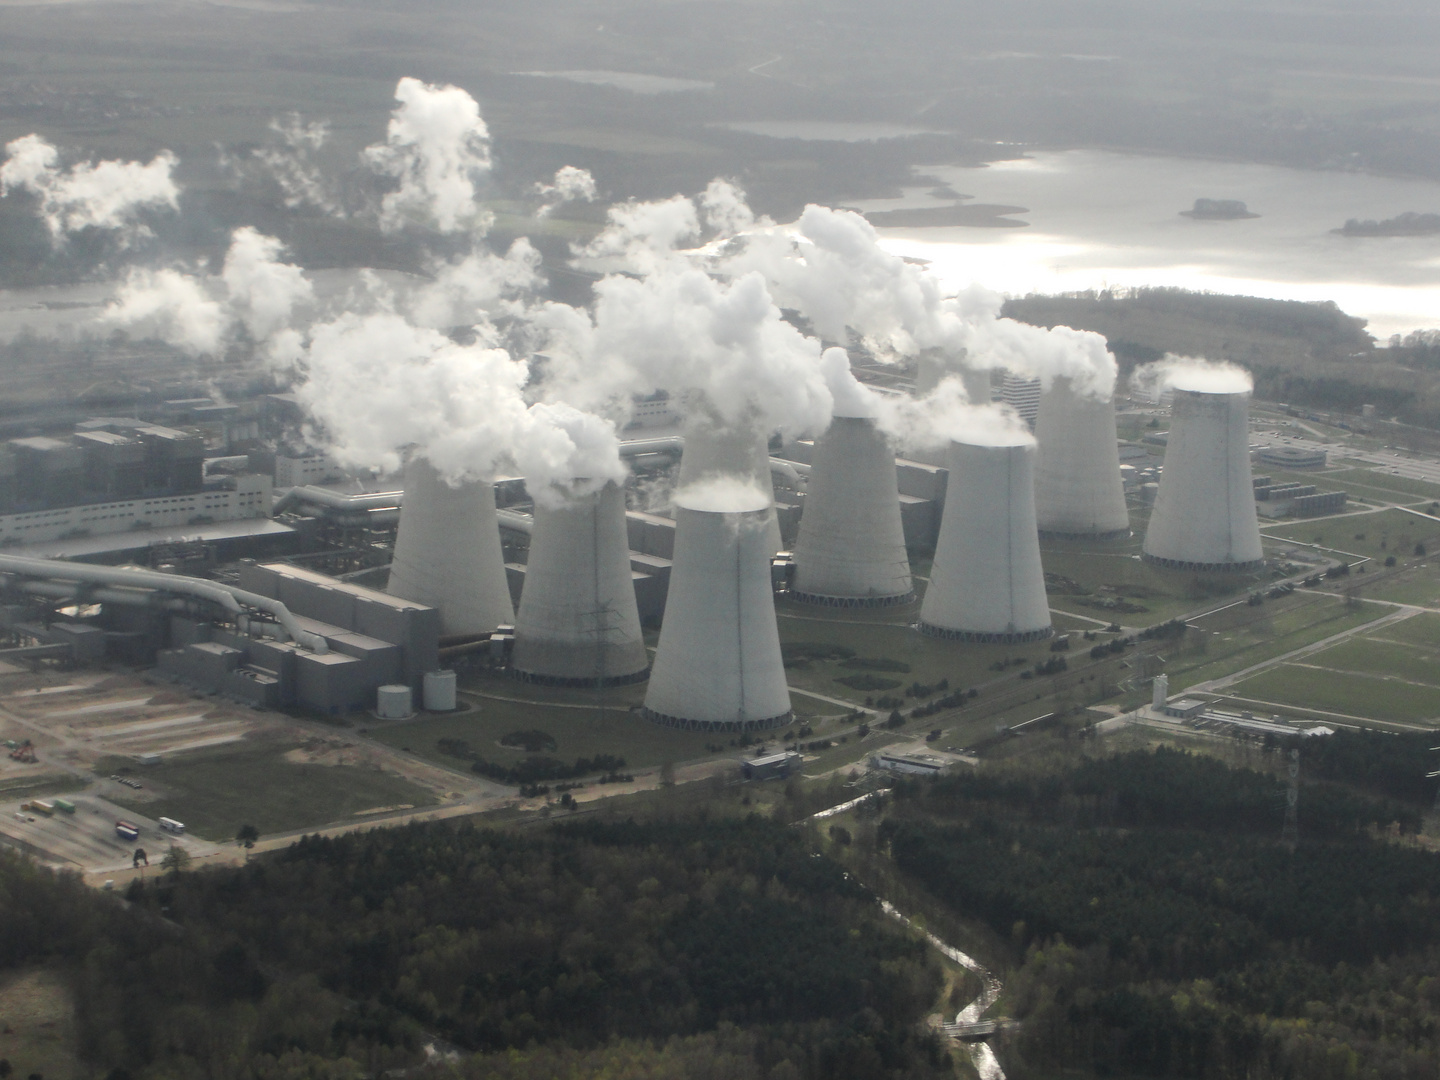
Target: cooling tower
x=447 y=552
x=578 y=624
x=713 y=449
x=718 y=665
x=1204 y=517
x=986 y=583
x=1077 y=468
x=851 y=548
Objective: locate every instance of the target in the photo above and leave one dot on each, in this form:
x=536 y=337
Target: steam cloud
x=571 y=184
x=1175 y=372
x=722 y=495
x=109 y=195
x=945 y=415
x=292 y=167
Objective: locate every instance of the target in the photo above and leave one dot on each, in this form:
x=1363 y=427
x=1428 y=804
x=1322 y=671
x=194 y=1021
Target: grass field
x=38 y=787
x=1163 y=594
x=1370 y=657
x=1363 y=696
x=216 y=793
x=1422 y=630
x=1376 y=535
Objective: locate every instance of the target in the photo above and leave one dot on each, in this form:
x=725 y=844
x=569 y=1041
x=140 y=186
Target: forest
x=1162 y=928
x=694 y=948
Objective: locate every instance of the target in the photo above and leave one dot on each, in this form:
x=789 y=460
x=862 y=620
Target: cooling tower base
x=717 y=725
x=980 y=637
x=1101 y=537
x=583 y=682
x=1205 y=568
x=851 y=601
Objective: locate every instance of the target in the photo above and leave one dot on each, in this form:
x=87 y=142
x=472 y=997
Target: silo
x=986 y=583
x=851 y=548
x=1204 y=517
x=718 y=665
x=714 y=449
x=447 y=552
x=1078 y=492
x=578 y=624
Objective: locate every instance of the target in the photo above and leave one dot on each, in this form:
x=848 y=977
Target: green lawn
x=1163 y=594
x=1422 y=630
x=1354 y=695
x=216 y=793
x=1377 y=534
x=1372 y=657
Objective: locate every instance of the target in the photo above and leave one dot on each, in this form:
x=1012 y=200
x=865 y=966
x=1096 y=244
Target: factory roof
x=300 y=573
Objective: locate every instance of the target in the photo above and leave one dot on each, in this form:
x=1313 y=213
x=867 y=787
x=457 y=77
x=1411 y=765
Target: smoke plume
x=109 y=195
x=1175 y=372
x=437 y=147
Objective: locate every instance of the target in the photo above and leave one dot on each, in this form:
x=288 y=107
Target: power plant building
x=578 y=623
x=986 y=582
x=1078 y=488
x=851 y=547
x=1204 y=517
x=718 y=666
x=448 y=554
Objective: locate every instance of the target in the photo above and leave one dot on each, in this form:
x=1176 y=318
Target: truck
x=171 y=825
x=40 y=806
x=126 y=831
x=65 y=806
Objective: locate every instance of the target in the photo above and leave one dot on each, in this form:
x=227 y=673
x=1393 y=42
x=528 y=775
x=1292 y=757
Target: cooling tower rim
x=537 y=678
x=764 y=724
x=982 y=637
x=1207 y=568
x=1113 y=534
x=824 y=600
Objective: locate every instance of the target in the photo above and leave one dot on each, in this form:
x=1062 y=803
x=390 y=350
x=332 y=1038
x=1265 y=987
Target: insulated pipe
x=336 y=500
x=131 y=597
x=228 y=597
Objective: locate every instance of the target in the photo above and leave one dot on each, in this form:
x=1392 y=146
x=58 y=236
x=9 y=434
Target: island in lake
x=1406 y=224
x=1219 y=210
x=974 y=215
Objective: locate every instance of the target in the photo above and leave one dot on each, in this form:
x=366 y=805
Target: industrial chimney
x=851 y=548
x=986 y=583
x=447 y=552
x=718 y=665
x=578 y=624
x=1078 y=492
x=714 y=449
x=1204 y=517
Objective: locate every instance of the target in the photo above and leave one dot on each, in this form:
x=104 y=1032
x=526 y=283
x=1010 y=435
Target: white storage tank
x=987 y=583
x=438 y=691
x=1204 y=517
x=718 y=665
x=392 y=702
x=448 y=554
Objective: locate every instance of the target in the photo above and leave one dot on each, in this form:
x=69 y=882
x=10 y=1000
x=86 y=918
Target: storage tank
x=439 y=691
x=448 y=554
x=986 y=582
x=718 y=665
x=1204 y=517
x=714 y=449
x=578 y=624
x=392 y=702
x=1078 y=489
x=851 y=547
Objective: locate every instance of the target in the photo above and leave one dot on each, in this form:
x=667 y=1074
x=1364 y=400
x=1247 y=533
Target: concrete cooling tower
x=718 y=665
x=447 y=552
x=713 y=450
x=986 y=583
x=578 y=624
x=1078 y=492
x=1204 y=517
x=851 y=548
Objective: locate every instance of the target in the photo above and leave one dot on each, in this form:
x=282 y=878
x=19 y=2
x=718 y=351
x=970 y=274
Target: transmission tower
x=1290 y=834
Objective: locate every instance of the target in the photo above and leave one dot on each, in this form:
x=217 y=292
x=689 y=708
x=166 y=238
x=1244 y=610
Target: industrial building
x=448 y=554
x=1078 y=488
x=1204 y=517
x=718 y=665
x=986 y=581
x=851 y=547
x=1022 y=393
x=578 y=622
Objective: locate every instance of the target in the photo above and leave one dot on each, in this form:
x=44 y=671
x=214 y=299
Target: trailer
x=65 y=806
x=127 y=831
x=171 y=825
x=40 y=806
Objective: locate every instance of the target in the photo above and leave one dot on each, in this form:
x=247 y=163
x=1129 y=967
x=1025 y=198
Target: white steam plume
x=174 y=307
x=471 y=289
x=378 y=385
x=852 y=397
x=108 y=195
x=722 y=495
x=263 y=291
x=292 y=168
x=642 y=236
x=437 y=147
x=571 y=184
x=945 y=415
x=1176 y=372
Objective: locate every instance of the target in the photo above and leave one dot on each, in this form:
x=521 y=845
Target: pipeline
x=233 y=600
